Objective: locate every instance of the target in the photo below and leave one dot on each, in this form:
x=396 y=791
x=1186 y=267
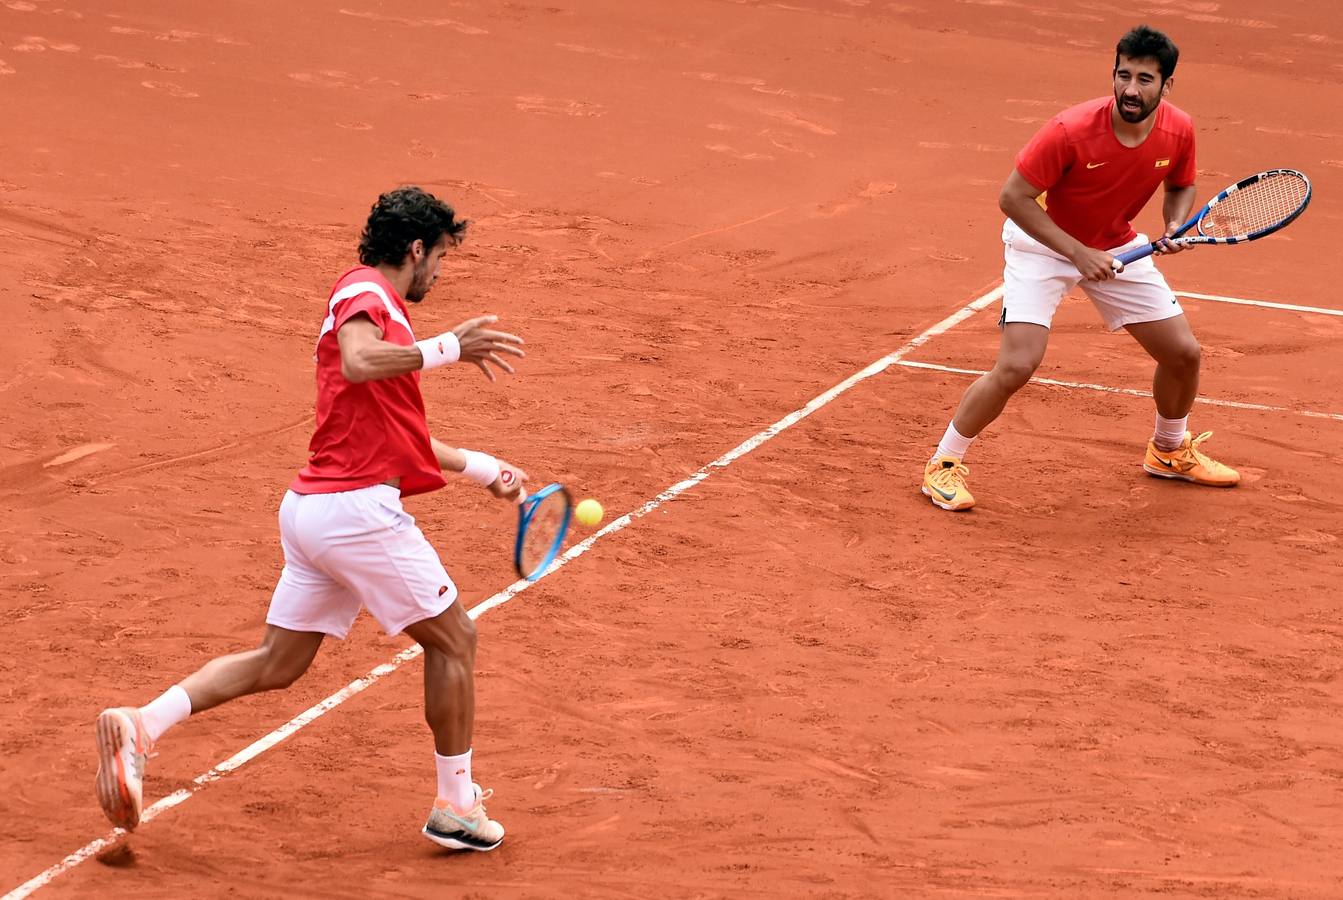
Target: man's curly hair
x=400 y=218
x=1148 y=43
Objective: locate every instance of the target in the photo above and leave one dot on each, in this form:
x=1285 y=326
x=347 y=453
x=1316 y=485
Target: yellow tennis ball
x=589 y=512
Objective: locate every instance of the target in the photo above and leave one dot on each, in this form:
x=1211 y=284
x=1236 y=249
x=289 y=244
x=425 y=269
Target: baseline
x=1130 y=392
x=1265 y=304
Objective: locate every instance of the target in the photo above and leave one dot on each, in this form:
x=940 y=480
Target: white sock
x=171 y=707
x=1169 y=433
x=953 y=443
x=454 y=780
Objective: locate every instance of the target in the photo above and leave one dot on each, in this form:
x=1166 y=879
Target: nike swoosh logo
x=1094 y=165
x=1168 y=465
x=944 y=495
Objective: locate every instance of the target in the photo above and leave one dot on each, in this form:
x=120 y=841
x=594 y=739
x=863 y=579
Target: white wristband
x=440 y=351
x=481 y=468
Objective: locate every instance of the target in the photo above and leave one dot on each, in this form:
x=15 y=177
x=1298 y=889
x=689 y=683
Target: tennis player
x=1069 y=202
x=347 y=541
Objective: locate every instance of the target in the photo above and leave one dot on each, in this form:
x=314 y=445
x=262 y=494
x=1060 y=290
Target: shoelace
x=951 y=476
x=1199 y=455
x=477 y=807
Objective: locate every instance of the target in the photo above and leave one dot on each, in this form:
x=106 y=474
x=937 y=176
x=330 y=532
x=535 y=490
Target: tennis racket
x=1251 y=208
x=543 y=521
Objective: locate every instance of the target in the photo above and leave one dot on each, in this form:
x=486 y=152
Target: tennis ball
x=589 y=512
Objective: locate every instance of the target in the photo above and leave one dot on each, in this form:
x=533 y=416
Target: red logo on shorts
x=443 y=590
x=440 y=346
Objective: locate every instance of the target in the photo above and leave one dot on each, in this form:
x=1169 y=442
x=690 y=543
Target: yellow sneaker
x=944 y=483
x=1188 y=463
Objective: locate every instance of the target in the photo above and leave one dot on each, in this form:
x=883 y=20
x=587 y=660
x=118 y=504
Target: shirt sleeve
x=1185 y=170
x=1046 y=156
x=370 y=304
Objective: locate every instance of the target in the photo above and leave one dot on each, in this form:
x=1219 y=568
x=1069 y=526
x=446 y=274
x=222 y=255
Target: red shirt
x=1096 y=186
x=373 y=431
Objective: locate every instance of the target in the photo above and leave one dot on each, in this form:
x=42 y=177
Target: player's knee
x=463 y=638
x=453 y=636
x=1189 y=357
x=279 y=672
x=1013 y=374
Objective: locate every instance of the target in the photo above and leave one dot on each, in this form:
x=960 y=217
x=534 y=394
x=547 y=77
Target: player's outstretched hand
x=509 y=484
x=1096 y=265
x=482 y=346
x=1164 y=245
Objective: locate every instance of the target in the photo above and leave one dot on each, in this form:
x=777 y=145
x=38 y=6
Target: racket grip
x=1137 y=253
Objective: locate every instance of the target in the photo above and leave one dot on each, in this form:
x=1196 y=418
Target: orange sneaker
x=944 y=483
x=1188 y=463
x=122 y=751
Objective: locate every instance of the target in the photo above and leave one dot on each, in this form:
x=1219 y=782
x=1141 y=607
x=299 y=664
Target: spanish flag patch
x=1162 y=163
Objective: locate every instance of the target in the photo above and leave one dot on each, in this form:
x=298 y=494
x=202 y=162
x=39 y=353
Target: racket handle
x=1137 y=253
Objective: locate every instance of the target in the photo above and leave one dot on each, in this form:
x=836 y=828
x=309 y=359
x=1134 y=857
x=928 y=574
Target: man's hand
x=482 y=346
x=1096 y=265
x=509 y=484
x=1165 y=246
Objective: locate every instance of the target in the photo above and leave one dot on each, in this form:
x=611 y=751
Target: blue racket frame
x=1141 y=252
x=526 y=510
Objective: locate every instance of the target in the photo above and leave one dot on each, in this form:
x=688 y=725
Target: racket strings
x=543 y=529
x=1256 y=207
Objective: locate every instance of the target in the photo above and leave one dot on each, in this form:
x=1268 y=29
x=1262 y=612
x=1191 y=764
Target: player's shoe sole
x=939 y=500
x=1166 y=473
x=459 y=840
x=122 y=750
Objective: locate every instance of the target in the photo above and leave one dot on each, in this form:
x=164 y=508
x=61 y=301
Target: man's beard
x=1132 y=116
x=420 y=284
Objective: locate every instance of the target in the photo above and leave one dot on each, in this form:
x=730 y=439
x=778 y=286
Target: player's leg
x=307 y=605
x=283 y=656
x=1173 y=451
x=125 y=735
x=458 y=819
x=402 y=582
x=1020 y=352
x=1171 y=343
x=1034 y=282
x=449 y=642
x=1140 y=301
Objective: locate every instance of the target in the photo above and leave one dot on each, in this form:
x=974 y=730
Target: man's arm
x=1018 y=202
x=506 y=484
x=1175 y=208
x=365 y=356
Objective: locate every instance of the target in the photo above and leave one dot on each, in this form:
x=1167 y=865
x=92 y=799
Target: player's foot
x=1188 y=463
x=122 y=750
x=472 y=830
x=944 y=483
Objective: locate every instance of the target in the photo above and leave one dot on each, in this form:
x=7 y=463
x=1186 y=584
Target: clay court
x=794 y=676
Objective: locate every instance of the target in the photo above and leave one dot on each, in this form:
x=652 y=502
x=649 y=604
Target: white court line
x=1267 y=304
x=313 y=713
x=1131 y=392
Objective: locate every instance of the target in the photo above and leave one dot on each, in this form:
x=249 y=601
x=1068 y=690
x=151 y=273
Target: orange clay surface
x=797 y=679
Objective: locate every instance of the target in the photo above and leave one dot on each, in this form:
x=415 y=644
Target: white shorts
x=1036 y=279
x=355 y=548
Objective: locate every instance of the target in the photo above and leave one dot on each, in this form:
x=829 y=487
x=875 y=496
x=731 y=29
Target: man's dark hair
x=400 y=218
x=1148 y=43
